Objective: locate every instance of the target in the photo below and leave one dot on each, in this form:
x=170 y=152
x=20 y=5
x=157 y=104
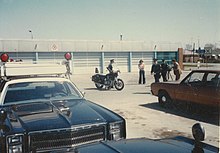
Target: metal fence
x=33 y=45
x=87 y=55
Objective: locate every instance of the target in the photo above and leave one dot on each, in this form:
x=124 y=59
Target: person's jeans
x=142 y=77
x=157 y=77
x=177 y=74
x=164 y=76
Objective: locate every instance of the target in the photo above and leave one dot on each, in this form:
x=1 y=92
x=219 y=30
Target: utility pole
x=193 y=51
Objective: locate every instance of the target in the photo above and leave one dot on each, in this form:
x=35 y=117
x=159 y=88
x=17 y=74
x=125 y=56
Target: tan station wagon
x=198 y=87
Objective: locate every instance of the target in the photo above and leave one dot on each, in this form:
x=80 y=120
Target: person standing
x=155 y=70
x=110 y=66
x=176 y=69
x=141 y=72
x=164 y=69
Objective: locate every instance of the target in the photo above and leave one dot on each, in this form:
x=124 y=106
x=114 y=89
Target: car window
x=72 y=89
x=194 y=78
x=33 y=91
x=213 y=79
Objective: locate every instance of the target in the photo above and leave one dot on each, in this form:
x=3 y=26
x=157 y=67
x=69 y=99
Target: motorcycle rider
x=110 y=75
x=110 y=66
x=109 y=80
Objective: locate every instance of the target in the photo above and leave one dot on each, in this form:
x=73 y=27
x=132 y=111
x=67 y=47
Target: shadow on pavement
x=136 y=93
x=91 y=89
x=199 y=116
x=102 y=89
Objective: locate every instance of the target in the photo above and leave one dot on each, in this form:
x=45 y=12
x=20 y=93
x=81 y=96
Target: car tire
x=164 y=99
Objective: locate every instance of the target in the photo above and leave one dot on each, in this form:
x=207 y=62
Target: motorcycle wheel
x=98 y=85
x=119 y=84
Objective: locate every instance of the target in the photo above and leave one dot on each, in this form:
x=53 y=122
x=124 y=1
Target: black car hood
x=53 y=115
x=143 y=145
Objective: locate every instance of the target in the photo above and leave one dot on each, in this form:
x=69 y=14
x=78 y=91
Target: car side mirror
x=198 y=132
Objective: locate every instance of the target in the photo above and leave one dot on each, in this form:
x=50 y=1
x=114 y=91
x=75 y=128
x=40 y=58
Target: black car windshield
x=40 y=91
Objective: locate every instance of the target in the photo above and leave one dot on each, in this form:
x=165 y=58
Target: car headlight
x=116 y=130
x=14 y=143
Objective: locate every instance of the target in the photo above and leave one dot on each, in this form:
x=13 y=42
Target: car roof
x=20 y=79
x=218 y=71
x=36 y=79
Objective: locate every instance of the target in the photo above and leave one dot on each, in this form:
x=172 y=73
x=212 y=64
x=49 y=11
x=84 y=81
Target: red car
x=198 y=87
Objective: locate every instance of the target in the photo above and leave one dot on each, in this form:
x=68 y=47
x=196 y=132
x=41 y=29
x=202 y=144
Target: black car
x=177 y=144
x=143 y=145
x=41 y=113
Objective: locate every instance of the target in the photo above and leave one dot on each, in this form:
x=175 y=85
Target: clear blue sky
x=183 y=21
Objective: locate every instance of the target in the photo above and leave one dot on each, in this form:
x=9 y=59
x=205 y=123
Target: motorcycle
x=108 y=81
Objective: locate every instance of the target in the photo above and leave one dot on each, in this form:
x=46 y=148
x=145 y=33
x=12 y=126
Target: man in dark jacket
x=110 y=67
x=155 y=70
x=110 y=75
x=164 y=69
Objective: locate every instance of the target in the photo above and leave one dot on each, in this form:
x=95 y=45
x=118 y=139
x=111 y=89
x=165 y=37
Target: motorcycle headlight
x=14 y=143
x=116 y=130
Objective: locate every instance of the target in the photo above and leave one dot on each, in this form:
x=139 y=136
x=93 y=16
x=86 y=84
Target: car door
x=209 y=92
x=188 y=88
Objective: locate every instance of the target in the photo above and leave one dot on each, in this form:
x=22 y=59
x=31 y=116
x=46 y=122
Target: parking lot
x=144 y=117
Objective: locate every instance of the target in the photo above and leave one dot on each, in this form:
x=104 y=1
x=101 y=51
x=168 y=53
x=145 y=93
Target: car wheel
x=164 y=99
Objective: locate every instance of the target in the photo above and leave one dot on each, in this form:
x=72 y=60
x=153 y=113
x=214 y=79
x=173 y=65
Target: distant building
x=189 y=56
x=212 y=55
x=88 y=55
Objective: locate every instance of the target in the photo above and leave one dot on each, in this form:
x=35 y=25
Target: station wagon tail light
x=115 y=130
x=14 y=143
x=4 y=57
